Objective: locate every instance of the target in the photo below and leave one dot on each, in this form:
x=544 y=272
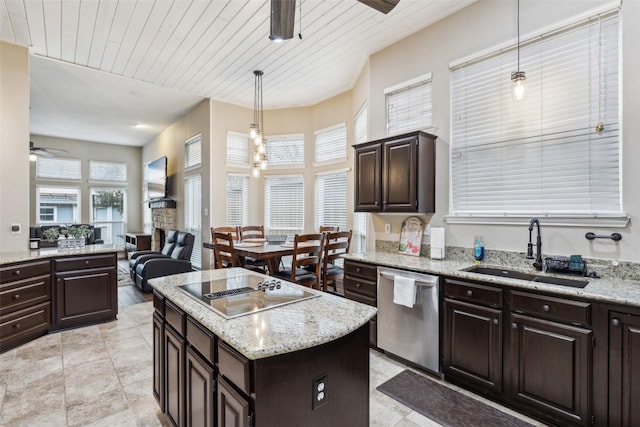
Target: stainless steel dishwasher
x=410 y=333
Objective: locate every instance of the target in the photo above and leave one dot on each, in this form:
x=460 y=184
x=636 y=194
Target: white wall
x=479 y=27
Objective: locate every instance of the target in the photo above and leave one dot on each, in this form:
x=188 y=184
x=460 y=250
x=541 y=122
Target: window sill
x=608 y=221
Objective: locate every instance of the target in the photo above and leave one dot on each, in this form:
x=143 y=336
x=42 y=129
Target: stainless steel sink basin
x=514 y=274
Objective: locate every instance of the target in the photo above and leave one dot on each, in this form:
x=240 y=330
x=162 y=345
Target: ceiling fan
x=283 y=13
x=45 y=152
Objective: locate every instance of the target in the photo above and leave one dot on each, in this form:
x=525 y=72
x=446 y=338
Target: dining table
x=257 y=249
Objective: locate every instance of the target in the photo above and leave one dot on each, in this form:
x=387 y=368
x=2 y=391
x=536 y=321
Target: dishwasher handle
x=421 y=279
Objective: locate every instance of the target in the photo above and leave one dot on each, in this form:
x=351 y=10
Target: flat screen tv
x=157 y=179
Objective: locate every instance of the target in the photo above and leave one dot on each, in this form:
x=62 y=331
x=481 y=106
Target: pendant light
x=256 y=129
x=518 y=77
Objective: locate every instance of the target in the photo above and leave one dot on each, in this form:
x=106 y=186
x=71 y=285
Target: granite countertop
x=279 y=330
x=618 y=291
x=20 y=256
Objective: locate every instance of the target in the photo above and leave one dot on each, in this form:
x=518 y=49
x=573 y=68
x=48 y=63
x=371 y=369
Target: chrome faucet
x=538 y=264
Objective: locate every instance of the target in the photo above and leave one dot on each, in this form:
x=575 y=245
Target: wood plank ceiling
x=210 y=48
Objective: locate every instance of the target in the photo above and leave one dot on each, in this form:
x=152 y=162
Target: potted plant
x=51 y=234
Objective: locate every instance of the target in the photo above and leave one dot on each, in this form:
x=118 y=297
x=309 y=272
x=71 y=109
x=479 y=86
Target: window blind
x=409 y=106
x=285 y=150
x=193 y=151
x=331 y=144
x=540 y=155
x=55 y=168
x=360 y=125
x=192 y=219
x=237 y=149
x=284 y=204
x=330 y=207
x=107 y=171
x=237 y=199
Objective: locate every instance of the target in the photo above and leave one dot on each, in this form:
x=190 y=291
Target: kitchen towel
x=404 y=291
x=437 y=243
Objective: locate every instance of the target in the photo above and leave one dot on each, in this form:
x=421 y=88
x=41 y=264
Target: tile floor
x=101 y=375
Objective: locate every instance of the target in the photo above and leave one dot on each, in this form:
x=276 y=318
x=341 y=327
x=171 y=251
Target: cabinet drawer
x=358 y=269
x=360 y=298
x=25 y=293
x=473 y=292
x=552 y=308
x=84 y=262
x=24 y=271
x=24 y=324
x=234 y=366
x=175 y=317
x=360 y=286
x=200 y=339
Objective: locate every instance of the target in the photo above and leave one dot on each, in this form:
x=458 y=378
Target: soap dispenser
x=478 y=249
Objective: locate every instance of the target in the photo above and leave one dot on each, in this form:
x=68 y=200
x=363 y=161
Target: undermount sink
x=514 y=274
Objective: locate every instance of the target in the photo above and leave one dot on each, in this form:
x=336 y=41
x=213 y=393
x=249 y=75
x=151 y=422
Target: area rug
x=444 y=405
x=123 y=275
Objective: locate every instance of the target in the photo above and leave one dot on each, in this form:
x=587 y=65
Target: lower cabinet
x=201 y=390
x=624 y=369
x=174 y=357
x=360 y=284
x=233 y=408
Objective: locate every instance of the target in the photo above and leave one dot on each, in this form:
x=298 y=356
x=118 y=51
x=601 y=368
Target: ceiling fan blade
x=384 y=6
x=283 y=16
x=46 y=152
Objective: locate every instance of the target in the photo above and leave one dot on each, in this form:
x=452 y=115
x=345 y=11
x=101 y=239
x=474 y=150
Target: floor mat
x=444 y=405
x=123 y=275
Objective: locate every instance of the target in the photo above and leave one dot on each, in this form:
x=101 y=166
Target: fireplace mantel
x=162 y=204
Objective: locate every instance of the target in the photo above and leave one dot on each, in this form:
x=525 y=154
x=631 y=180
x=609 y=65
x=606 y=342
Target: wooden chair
x=307 y=250
x=235 y=231
x=329 y=228
x=251 y=231
x=336 y=245
x=224 y=254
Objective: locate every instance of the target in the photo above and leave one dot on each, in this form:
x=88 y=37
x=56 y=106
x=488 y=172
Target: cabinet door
x=473 y=344
x=174 y=351
x=85 y=296
x=233 y=408
x=158 y=360
x=399 y=176
x=367 y=178
x=624 y=369
x=200 y=390
x=550 y=368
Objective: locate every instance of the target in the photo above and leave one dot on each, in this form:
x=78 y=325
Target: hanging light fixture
x=256 y=129
x=518 y=77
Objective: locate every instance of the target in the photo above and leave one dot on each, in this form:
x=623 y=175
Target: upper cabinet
x=396 y=174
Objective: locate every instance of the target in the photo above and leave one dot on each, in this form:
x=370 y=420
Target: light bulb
x=258 y=139
x=261 y=148
x=518 y=78
x=33 y=157
x=263 y=164
x=256 y=157
x=255 y=170
x=253 y=129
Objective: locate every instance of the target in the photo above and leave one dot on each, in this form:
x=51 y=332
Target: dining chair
x=336 y=245
x=329 y=228
x=235 y=231
x=251 y=231
x=224 y=254
x=307 y=250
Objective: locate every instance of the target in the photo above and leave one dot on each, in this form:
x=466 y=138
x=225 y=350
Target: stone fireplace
x=162 y=219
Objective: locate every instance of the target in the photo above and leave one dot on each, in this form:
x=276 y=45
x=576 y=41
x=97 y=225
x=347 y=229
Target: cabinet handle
x=546 y=308
x=358 y=285
x=86 y=262
x=469 y=293
x=514 y=326
x=17 y=272
x=16 y=296
x=358 y=270
x=615 y=322
x=495 y=321
x=16 y=326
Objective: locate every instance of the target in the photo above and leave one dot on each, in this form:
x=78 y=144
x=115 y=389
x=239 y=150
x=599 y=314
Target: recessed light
x=139 y=125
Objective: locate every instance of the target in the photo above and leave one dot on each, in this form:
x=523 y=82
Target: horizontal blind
x=285 y=150
x=330 y=207
x=237 y=200
x=540 y=155
x=55 y=168
x=193 y=151
x=331 y=143
x=409 y=107
x=192 y=219
x=360 y=125
x=237 y=149
x=284 y=204
x=107 y=171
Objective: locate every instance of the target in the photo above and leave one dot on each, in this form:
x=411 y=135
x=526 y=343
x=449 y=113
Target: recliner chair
x=150 y=266
x=135 y=257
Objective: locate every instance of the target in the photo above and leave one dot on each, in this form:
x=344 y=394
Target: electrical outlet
x=320 y=396
x=387 y=228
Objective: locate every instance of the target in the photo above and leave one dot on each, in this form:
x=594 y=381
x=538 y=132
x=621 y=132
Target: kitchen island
x=305 y=362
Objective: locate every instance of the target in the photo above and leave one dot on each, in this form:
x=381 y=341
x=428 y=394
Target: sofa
x=38 y=233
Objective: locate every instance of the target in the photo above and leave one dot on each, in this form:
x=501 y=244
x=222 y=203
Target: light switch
x=16 y=229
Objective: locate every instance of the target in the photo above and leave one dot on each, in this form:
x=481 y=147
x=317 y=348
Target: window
x=284 y=204
x=330 y=207
x=193 y=151
x=192 y=219
x=55 y=168
x=540 y=155
x=409 y=105
x=285 y=150
x=237 y=199
x=237 y=149
x=108 y=212
x=331 y=144
x=58 y=205
x=360 y=125
x=107 y=171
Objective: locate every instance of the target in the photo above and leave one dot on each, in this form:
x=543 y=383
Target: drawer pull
x=17 y=272
x=358 y=285
x=615 y=322
x=546 y=308
x=16 y=296
x=514 y=326
x=86 y=262
x=358 y=269
x=495 y=321
x=16 y=326
x=469 y=293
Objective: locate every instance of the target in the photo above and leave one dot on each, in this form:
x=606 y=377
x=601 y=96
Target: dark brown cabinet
x=200 y=391
x=472 y=350
x=396 y=174
x=233 y=407
x=174 y=357
x=360 y=284
x=158 y=360
x=624 y=369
